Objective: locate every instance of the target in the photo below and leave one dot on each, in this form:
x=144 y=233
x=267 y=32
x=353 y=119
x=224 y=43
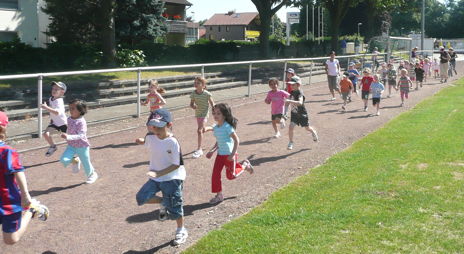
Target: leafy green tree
x=456 y=20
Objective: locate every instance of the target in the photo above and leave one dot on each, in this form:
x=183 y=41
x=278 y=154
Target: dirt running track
x=104 y=217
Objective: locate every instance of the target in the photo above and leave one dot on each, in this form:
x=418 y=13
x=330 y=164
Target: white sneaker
x=181 y=237
x=282 y=123
x=378 y=114
x=163 y=213
x=248 y=167
x=51 y=150
x=76 y=165
x=197 y=153
x=290 y=146
x=277 y=135
x=365 y=108
x=92 y=178
x=333 y=98
x=38 y=210
x=315 y=136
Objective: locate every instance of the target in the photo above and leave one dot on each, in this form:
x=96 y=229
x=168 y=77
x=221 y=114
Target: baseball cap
x=295 y=80
x=290 y=70
x=159 y=118
x=352 y=64
x=3 y=119
x=60 y=85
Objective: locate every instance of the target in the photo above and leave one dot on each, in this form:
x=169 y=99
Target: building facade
x=176 y=23
x=232 y=26
x=26 y=20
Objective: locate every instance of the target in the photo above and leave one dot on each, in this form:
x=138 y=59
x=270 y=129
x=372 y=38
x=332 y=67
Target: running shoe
x=197 y=154
x=163 y=213
x=181 y=237
x=92 y=178
x=51 y=150
x=290 y=146
x=76 y=165
x=38 y=210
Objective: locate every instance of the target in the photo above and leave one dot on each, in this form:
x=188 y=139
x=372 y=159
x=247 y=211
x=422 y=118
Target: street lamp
x=359 y=24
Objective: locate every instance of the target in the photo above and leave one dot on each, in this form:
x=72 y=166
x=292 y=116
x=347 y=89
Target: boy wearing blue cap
x=167 y=172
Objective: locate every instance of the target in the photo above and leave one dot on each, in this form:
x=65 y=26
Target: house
x=26 y=20
x=233 y=26
x=177 y=25
x=193 y=33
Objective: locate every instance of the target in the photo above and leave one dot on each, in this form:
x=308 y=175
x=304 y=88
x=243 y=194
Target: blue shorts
x=11 y=223
x=172 y=196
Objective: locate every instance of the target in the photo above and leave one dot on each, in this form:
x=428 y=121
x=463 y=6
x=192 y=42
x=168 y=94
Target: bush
x=130 y=58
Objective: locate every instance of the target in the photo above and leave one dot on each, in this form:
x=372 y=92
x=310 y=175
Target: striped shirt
x=10 y=195
x=223 y=139
x=202 y=102
x=403 y=83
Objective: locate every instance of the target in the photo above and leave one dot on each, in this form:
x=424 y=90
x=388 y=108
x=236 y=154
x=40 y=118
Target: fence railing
x=138 y=71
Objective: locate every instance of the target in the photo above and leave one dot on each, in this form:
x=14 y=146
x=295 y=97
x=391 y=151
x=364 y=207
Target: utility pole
x=322 y=22
x=307 y=14
x=314 y=35
x=318 y=24
x=423 y=25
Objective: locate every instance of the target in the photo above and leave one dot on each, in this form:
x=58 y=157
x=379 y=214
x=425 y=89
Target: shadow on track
x=150 y=251
x=262 y=160
x=53 y=189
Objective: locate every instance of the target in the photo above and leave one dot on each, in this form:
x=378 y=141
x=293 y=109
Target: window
x=219 y=28
x=8 y=36
x=8 y=4
x=227 y=29
x=211 y=28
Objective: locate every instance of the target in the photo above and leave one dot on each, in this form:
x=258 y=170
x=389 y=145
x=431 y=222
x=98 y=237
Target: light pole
x=423 y=25
x=359 y=24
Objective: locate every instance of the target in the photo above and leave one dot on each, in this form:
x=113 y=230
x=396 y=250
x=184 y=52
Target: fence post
x=139 y=75
x=311 y=72
x=285 y=75
x=249 y=79
x=203 y=71
x=39 y=105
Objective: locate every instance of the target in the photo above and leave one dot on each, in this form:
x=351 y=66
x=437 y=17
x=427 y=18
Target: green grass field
x=398 y=190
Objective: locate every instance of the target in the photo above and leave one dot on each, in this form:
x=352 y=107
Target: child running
x=227 y=143
x=276 y=98
x=17 y=208
x=391 y=79
x=346 y=87
x=155 y=98
x=377 y=89
x=383 y=73
x=167 y=173
x=57 y=115
x=354 y=75
x=427 y=68
x=404 y=84
x=200 y=100
x=436 y=68
x=419 y=75
x=76 y=136
x=366 y=82
x=299 y=115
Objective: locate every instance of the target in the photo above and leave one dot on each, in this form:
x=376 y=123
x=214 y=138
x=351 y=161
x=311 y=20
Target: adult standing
x=452 y=62
x=444 y=65
x=332 y=69
x=375 y=61
x=343 y=46
x=414 y=55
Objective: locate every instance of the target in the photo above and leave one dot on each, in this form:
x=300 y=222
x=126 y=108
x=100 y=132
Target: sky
x=204 y=9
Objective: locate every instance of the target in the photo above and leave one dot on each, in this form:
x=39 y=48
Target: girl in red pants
x=226 y=145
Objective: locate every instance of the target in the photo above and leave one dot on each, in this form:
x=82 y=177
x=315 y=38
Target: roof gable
x=243 y=18
x=182 y=2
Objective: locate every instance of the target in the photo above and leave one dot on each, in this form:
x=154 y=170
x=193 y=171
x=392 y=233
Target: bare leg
x=290 y=132
x=201 y=126
x=274 y=125
x=48 y=138
x=12 y=238
x=180 y=222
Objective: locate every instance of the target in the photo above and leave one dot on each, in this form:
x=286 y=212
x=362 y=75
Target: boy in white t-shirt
x=58 y=119
x=167 y=172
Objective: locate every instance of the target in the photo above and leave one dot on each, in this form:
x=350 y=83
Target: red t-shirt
x=366 y=83
x=10 y=195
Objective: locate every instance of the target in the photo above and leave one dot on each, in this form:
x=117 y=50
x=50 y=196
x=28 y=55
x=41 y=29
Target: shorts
x=375 y=101
x=276 y=116
x=392 y=82
x=365 y=95
x=301 y=120
x=56 y=129
x=11 y=223
x=333 y=83
x=345 y=95
x=420 y=79
x=201 y=120
x=172 y=195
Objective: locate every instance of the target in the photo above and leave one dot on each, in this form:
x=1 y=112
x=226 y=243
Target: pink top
x=77 y=132
x=277 y=99
x=152 y=99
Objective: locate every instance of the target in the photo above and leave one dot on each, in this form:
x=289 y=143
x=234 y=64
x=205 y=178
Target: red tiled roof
x=243 y=18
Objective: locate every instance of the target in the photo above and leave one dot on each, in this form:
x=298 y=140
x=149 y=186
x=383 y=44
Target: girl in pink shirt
x=276 y=98
x=76 y=136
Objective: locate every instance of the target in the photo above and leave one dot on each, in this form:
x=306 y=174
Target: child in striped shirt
x=404 y=84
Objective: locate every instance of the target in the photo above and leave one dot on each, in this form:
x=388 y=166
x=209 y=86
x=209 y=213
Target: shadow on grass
x=53 y=189
x=150 y=251
x=262 y=160
x=153 y=215
x=123 y=145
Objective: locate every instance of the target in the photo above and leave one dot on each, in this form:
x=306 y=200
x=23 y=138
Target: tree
x=139 y=20
x=107 y=34
x=266 y=10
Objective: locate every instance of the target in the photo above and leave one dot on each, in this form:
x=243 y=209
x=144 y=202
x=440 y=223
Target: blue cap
x=159 y=118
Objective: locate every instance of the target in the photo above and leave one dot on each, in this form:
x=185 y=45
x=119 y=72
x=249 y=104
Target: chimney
x=230 y=12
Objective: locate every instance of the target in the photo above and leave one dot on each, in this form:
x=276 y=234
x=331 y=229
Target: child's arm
x=50 y=109
x=140 y=141
x=192 y=104
x=144 y=102
x=299 y=102
x=22 y=183
x=236 y=143
x=81 y=133
x=163 y=171
x=210 y=153
x=207 y=128
x=211 y=102
x=161 y=100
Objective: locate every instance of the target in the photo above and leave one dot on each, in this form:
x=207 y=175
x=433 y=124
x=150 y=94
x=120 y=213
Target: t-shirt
x=277 y=99
x=376 y=89
x=223 y=139
x=391 y=75
x=403 y=83
x=345 y=85
x=57 y=104
x=383 y=74
x=10 y=194
x=152 y=100
x=419 y=73
x=77 y=132
x=202 y=102
x=353 y=76
x=366 y=82
x=164 y=153
x=297 y=110
x=332 y=67
x=453 y=56
x=444 y=57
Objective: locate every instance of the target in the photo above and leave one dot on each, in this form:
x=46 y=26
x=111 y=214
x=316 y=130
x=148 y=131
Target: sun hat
x=3 y=119
x=290 y=70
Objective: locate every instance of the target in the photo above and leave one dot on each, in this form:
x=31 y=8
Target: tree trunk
x=264 y=35
x=334 y=29
x=108 y=37
x=371 y=13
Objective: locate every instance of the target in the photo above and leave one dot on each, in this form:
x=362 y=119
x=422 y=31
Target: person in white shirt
x=332 y=69
x=58 y=119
